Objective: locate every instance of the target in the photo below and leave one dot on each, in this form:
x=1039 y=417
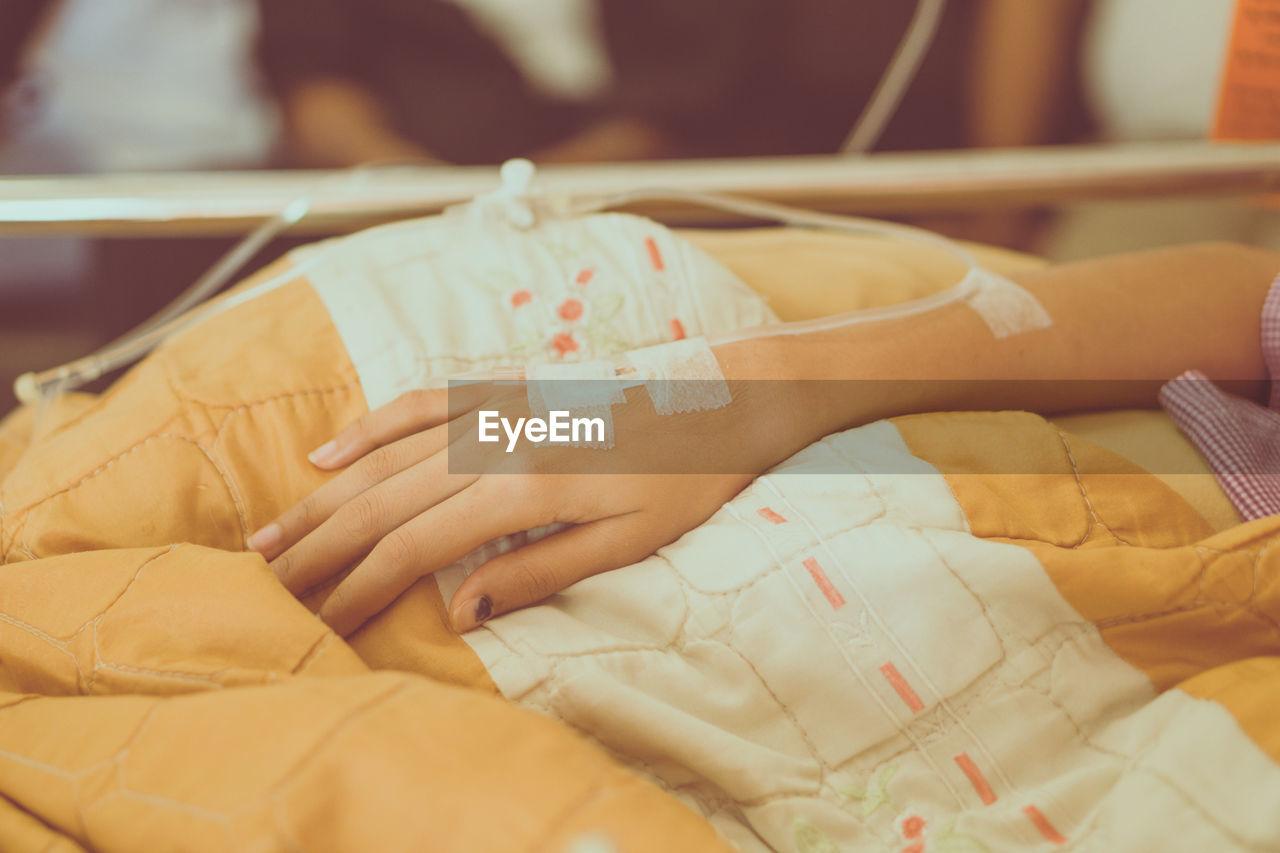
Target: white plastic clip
x=512 y=202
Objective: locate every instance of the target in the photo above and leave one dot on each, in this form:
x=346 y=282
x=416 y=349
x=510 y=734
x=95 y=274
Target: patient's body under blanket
x=879 y=645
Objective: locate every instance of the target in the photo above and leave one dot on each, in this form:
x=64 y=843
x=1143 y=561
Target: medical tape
x=1005 y=307
x=586 y=389
x=681 y=376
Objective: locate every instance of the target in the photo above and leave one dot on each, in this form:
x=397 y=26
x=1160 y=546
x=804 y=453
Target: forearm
x=335 y=123
x=1121 y=327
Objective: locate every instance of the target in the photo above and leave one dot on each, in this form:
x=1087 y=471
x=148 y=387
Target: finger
x=528 y=575
x=356 y=527
x=403 y=416
x=309 y=513
x=437 y=538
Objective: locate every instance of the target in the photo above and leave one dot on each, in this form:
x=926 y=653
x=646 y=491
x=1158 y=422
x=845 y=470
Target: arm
x=1122 y=326
x=398 y=511
x=1021 y=59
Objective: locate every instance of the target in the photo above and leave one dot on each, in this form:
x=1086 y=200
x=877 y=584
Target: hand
x=398 y=513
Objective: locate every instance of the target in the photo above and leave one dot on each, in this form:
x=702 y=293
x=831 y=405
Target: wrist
x=801 y=388
x=783 y=400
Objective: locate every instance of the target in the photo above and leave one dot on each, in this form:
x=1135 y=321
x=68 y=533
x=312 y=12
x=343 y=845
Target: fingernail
x=324 y=454
x=266 y=539
x=473 y=612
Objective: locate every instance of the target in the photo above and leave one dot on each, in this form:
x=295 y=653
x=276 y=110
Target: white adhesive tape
x=681 y=376
x=1005 y=307
x=586 y=389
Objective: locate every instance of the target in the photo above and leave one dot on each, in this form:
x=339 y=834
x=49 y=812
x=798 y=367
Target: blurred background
x=109 y=86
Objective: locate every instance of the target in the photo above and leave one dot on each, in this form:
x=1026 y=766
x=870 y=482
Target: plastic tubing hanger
x=1007 y=308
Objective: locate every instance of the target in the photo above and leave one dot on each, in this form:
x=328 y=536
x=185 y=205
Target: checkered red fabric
x=1238 y=438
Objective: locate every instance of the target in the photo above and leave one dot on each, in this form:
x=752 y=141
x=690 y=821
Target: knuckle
x=363 y=516
x=531 y=582
x=398 y=549
x=380 y=464
x=308 y=512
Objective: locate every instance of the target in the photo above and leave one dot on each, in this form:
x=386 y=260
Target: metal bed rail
x=219 y=203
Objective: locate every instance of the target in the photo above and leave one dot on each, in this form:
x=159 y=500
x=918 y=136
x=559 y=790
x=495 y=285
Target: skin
x=396 y=512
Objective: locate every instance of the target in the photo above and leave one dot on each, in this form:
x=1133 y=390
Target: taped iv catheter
x=176 y=316
x=1006 y=307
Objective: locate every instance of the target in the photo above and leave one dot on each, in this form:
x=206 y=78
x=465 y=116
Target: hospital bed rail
x=221 y=203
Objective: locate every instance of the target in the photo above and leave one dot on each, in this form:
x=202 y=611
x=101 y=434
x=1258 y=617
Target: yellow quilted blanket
x=935 y=657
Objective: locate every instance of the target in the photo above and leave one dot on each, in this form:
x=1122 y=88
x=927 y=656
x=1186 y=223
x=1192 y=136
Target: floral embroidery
x=874 y=797
x=677 y=329
x=911 y=826
x=570 y=310
x=915 y=831
x=809 y=839
x=564 y=343
x=562 y=326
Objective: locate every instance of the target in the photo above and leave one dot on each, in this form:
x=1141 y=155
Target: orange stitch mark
x=824 y=583
x=898 y=683
x=769 y=515
x=1042 y=823
x=655 y=257
x=584 y=276
x=976 y=779
x=677 y=329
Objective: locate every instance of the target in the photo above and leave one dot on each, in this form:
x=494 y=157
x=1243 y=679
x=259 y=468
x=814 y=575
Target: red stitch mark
x=584 y=276
x=898 y=683
x=655 y=257
x=520 y=297
x=1042 y=823
x=677 y=329
x=976 y=779
x=769 y=515
x=824 y=583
